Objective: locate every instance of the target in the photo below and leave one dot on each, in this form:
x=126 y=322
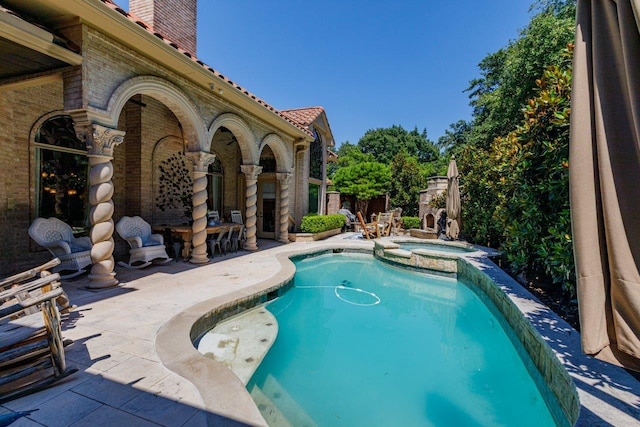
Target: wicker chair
x=57 y=237
x=145 y=246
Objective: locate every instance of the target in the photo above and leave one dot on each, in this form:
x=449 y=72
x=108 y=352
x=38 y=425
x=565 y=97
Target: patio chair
x=219 y=243
x=236 y=217
x=213 y=217
x=145 y=246
x=57 y=237
x=396 y=221
x=32 y=355
x=370 y=230
x=175 y=244
x=384 y=223
x=237 y=239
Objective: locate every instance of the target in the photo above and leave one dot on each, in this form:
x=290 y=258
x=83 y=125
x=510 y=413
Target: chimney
x=174 y=19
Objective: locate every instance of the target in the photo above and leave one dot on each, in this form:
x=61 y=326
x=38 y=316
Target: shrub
x=410 y=222
x=318 y=223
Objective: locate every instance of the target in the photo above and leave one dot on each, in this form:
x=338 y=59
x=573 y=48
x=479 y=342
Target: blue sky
x=370 y=63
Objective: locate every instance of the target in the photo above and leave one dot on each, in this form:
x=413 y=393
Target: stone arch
x=243 y=133
x=279 y=150
x=170 y=95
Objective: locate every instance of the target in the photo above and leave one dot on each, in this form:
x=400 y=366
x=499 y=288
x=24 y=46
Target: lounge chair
x=57 y=237
x=32 y=353
x=370 y=230
x=145 y=246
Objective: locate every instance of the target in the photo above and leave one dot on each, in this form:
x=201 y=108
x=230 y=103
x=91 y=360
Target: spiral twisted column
x=284 y=178
x=100 y=143
x=201 y=161
x=251 y=193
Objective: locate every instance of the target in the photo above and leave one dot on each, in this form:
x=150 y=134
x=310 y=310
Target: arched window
x=61 y=173
x=215 y=176
x=315 y=158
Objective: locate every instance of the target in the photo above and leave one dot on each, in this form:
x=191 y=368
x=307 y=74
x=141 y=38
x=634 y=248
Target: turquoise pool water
x=449 y=249
x=362 y=343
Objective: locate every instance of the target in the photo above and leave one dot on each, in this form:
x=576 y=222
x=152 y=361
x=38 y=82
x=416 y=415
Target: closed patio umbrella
x=605 y=178
x=453 y=200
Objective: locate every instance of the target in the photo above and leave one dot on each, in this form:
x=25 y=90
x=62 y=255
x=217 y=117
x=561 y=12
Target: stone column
x=100 y=143
x=251 y=181
x=284 y=178
x=201 y=161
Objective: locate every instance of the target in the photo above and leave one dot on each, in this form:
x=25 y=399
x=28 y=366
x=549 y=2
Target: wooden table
x=185 y=232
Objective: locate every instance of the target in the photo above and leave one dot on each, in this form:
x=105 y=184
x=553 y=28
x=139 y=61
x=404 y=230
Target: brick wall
x=19 y=110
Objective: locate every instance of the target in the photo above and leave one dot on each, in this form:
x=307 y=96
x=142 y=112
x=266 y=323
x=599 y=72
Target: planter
x=310 y=237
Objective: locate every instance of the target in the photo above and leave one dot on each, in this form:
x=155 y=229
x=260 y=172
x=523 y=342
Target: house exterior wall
x=19 y=111
x=152 y=132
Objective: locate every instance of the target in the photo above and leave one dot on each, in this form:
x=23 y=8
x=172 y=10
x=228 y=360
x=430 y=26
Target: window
x=61 y=168
x=315 y=157
x=267 y=160
x=215 y=177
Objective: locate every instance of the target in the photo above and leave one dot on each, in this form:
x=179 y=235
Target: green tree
x=533 y=169
x=508 y=76
x=385 y=143
x=363 y=180
x=406 y=184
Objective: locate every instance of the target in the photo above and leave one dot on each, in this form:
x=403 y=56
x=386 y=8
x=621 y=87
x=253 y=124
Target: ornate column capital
x=251 y=171
x=284 y=177
x=201 y=160
x=100 y=140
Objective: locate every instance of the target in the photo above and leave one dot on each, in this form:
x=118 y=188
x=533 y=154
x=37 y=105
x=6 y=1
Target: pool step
x=271 y=398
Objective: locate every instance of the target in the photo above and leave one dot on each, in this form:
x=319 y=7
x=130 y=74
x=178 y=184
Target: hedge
x=318 y=223
x=409 y=222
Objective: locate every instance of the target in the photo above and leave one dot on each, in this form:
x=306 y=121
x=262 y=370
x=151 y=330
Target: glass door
x=266 y=224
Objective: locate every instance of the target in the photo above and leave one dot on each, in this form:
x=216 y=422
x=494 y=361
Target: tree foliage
x=364 y=180
x=512 y=155
x=517 y=190
x=508 y=76
x=406 y=184
x=385 y=143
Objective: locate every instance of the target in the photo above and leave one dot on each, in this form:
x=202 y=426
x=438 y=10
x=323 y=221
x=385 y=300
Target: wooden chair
x=370 y=230
x=384 y=223
x=145 y=246
x=396 y=221
x=31 y=344
x=57 y=237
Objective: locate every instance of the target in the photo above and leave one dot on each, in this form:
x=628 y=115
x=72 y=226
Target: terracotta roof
x=304 y=116
x=193 y=57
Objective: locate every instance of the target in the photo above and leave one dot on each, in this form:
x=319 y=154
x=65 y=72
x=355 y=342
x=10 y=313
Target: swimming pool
x=365 y=343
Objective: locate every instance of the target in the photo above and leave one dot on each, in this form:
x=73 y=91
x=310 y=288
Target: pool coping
x=607 y=393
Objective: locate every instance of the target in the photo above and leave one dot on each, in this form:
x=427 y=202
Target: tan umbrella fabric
x=453 y=200
x=605 y=177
